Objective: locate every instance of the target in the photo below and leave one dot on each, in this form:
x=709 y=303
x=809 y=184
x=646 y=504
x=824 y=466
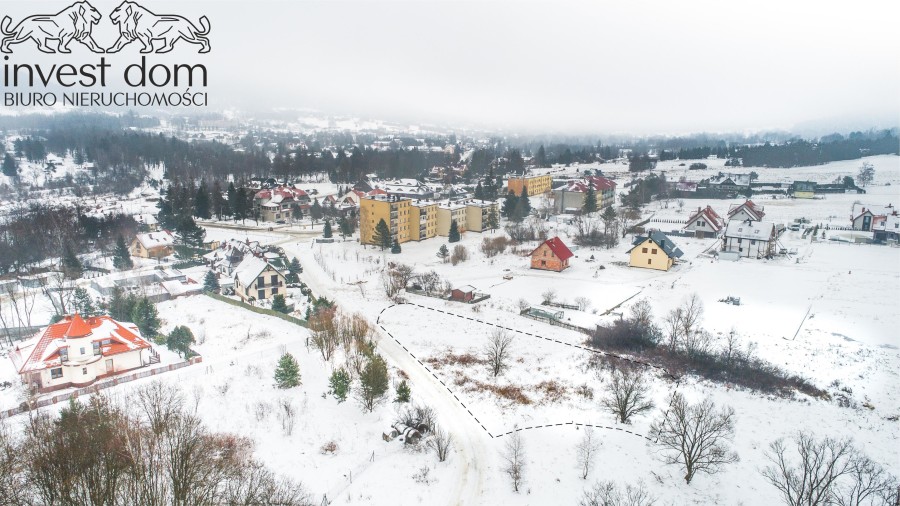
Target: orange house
x=551 y=255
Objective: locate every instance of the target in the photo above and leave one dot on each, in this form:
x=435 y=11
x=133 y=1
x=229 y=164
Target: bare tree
x=286 y=415
x=627 y=394
x=691 y=315
x=607 y=493
x=404 y=273
x=586 y=451
x=672 y=325
x=514 y=457
x=626 y=216
x=642 y=314
x=497 y=350
x=324 y=333
x=696 y=436
x=59 y=290
x=827 y=471
x=548 y=296
x=441 y=442
x=583 y=303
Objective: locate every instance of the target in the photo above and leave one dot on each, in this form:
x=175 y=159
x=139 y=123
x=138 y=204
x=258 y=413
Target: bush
x=460 y=254
x=402 y=392
x=340 y=384
x=278 y=304
x=492 y=247
x=180 y=340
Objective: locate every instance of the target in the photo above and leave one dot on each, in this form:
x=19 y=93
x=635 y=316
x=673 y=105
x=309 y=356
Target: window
x=752 y=242
x=56 y=373
x=654 y=251
x=649 y=261
x=260 y=294
x=63 y=354
x=643 y=250
x=543 y=263
x=274 y=291
x=274 y=279
x=82 y=350
x=84 y=370
x=96 y=346
x=739 y=241
x=260 y=282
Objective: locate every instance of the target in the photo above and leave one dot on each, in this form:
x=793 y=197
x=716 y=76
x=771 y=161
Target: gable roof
x=715 y=221
x=250 y=269
x=861 y=209
x=755 y=230
x=156 y=239
x=661 y=240
x=598 y=183
x=557 y=247
x=42 y=350
x=753 y=210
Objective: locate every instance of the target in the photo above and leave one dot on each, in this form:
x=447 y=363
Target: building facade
x=705 y=223
x=447 y=213
x=570 y=197
x=478 y=214
x=395 y=211
x=153 y=245
x=535 y=185
x=750 y=239
x=256 y=279
x=654 y=251
x=423 y=220
x=551 y=255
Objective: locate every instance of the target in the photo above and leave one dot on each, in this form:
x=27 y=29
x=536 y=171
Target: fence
x=100 y=385
x=269 y=312
x=553 y=321
x=559 y=304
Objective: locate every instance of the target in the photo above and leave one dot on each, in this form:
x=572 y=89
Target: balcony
x=263 y=285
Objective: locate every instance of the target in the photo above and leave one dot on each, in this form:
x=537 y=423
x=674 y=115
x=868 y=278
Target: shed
x=463 y=293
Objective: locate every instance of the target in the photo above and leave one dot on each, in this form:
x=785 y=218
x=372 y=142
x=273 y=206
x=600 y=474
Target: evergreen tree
x=10 y=166
x=590 y=200
x=382 y=235
x=540 y=159
x=121 y=255
x=71 y=265
x=78 y=157
x=340 y=384
x=523 y=206
x=479 y=191
x=121 y=305
x=180 y=340
x=189 y=233
x=278 y=304
x=315 y=211
x=294 y=269
x=211 y=282
x=493 y=220
x=509 y=206
x=232 y=199
x=326 y=231
x=83 y=303
x=373 y=382
x=146 y=318
x=443 y=253
x=395 y=248
x=402 y=392
x=201 y=202
x=344 y=227
x=287 y=374
x=454 y=232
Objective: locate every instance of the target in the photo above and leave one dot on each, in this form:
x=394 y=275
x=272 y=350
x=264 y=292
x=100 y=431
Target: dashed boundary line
x=519 y=429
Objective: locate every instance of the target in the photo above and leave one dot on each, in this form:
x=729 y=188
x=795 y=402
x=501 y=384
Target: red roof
x=711 y=216
x=377 y=191
x=42 y=351
x=752 y=209
x=557 y=247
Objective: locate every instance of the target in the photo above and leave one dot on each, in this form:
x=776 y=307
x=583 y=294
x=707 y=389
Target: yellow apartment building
x=536 y=184
x=447 y=212
x=395 y=211
x=477 y=212
x=422 y=220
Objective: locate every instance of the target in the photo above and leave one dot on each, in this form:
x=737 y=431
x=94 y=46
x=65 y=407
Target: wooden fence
x=260 y=310
x=100 y=385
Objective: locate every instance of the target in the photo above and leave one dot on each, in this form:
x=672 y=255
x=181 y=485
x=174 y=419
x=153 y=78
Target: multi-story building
x=395 y=211
x=257 y=279
x=448 y=212
x=570 y=197
x=477 y=213
x=536 y=185
x=422 y=220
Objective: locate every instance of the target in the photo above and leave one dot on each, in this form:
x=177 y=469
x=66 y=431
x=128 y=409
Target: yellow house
x=656 y=251
x=422 y=220
x=395 y=211
x=477 y=212
x=153 y=245
x=256 y=279
x=536 y=184
x=448 y=212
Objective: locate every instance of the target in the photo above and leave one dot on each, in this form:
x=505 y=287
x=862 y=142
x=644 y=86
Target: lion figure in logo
x=75 y=22
x=138 y=23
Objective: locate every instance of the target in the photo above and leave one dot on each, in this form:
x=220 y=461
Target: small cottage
x=746 y=211
x=705 y=223
x=464 y=293
x=551 y=255
x=153 y=245
x=654 y=251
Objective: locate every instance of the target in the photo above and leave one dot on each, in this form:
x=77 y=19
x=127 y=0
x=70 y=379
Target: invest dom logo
x=85 y=83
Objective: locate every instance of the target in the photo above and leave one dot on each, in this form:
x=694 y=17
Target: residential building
x=551 y=255
x=749 y=238
x=535 y=184
x=256 y=279
x=730 y=182
x=395 y=211
x=746 y=211
x=804 y=189
x=654 y=251
x=230 y=253
x=887 y=230
x=477 y=212
x=705 y=223
x=570 y=197
x=278 y=203
x=76 y=351
x=407 y=188
x=153 y=245
x=867 y=217
x=422 y=220
x=448 y=212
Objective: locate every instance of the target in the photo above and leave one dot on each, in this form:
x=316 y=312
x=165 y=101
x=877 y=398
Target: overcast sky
x=575 y=67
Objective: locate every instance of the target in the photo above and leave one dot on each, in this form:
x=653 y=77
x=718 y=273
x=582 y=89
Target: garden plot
x=549 y=381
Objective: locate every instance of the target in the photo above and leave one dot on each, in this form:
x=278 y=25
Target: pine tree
x=145 y=316
x=201 y=202
x=509 y=206
x=326 y=231
x=294 y=269
x=71 y=265
x=524 y=202
x=287 y=374
x=315 y=211
x=395 y=248
x=493 y=220
x=540 y=159
x=211 y=282
x=180 y=340
x=454 y=232
x=479 y=191
x=443 y=253
x=121 y=255
x=590 y=200
x=83 y=303
x=10 y=166
x=188 y=232
x=344 y=226
x=373 y=382
x=340 y=384
x=382 y=235
x=278 y=304
x=232 y=199
x=402 y=392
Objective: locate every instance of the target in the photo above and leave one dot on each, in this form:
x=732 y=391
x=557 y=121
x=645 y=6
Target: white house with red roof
x=76 y=351
x=746 y=211
x=279 y=203
x=551 y=255
x=570 y=197
x=705 y=223
x=867 y=217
